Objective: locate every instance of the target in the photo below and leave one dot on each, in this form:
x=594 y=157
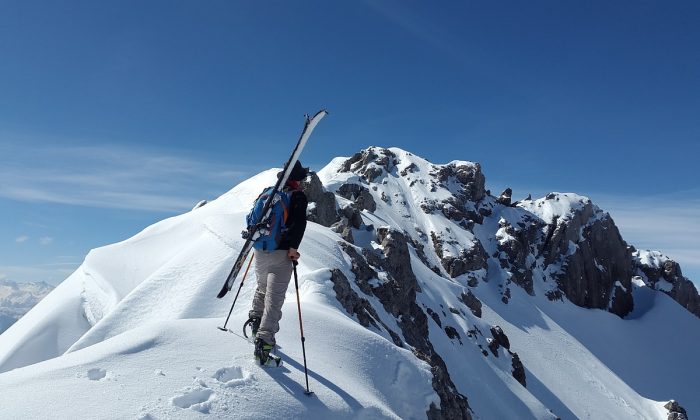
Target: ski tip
x=222 y=293
x=321 y=113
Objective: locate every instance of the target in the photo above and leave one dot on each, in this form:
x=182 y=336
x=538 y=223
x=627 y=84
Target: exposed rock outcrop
x=360 y=195
x=468 y=176
x=452 y=333
x=474 y=258
x=594 y=259
x=397 y=262
x=518 y=371
x=505 y=197
x=675 y=411
x=361 y=269
x=515 y=246
x=371 y=163
x=200 y=204
x=412 y=168
x=467 y=184
x=420 y=251
x=353 y=216
x=500 y=337
x=493 y=346
x=322 y=204
x=344 y=228
x=658 y=269
x=398 y=296
x=360 y=307
x=472 y=302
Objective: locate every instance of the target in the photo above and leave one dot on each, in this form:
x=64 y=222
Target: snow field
x=185 y=368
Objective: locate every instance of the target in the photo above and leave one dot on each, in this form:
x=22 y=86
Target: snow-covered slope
x=137 y=325
x=422 y=296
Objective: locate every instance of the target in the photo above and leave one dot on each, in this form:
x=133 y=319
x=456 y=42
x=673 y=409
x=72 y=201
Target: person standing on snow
x=273 y=269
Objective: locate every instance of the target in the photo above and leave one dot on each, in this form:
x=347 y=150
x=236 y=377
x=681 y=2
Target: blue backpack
x=272 y=230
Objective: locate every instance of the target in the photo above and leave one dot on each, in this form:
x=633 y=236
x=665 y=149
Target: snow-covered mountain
x=16 y=299
x=423 y=295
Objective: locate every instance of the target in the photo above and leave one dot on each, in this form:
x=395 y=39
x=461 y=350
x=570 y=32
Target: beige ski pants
x=273 y=270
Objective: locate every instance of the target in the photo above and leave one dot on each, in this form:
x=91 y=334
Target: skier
x=273 y=269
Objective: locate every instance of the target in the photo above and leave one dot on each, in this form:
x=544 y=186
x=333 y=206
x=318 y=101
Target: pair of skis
x=251 y=234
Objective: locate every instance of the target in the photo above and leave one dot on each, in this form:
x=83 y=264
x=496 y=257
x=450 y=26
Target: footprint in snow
x=233 y=376
x=196 y=398
x=96 y=374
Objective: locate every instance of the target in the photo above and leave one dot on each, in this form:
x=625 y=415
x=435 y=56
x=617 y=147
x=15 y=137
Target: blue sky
x=114 y=115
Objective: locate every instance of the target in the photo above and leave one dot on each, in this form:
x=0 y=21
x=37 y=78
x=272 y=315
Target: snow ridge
x=422 y=294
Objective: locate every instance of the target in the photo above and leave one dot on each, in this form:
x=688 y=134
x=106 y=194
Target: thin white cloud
x=22 y=239
x=61 y=264
x=113 y=177
x=46 y=240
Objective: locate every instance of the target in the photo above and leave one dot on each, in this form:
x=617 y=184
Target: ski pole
x=301 y=328
x=237 y=293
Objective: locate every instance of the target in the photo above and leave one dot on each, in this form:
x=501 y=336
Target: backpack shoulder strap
x=285 y=204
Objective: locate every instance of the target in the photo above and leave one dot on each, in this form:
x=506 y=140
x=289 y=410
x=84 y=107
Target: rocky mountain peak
x=561 y=239
x=407 y=222
x=371 y=163
x=464 y=179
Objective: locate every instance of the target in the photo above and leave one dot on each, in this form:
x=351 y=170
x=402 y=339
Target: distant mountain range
x=16 y=299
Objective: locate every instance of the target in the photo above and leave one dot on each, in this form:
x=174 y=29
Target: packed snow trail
x=177 y=369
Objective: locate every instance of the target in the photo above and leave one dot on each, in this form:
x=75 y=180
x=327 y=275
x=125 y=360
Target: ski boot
x=262 y=352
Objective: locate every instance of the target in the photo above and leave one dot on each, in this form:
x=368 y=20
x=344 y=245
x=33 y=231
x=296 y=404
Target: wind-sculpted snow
x=165 y=272
x=422 y=296
x=180 y=369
